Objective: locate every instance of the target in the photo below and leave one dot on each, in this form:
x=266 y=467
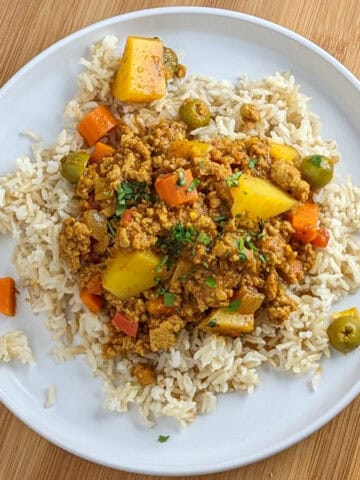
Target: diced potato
x=188 y=148
x=182 y=268
x=278 y=151
x=227 y=323
x=249 y=301
x=130 y=273
x=260 y=198
x=350 y=312
x=141 y=74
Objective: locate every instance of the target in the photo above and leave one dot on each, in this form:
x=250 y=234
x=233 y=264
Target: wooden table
x=28 y=27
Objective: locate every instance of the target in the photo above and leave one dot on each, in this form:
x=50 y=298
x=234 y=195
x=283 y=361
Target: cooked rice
x=14 y=346
x=34 y=201
x=50 y=396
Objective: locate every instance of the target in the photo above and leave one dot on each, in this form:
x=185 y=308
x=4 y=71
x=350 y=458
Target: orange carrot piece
x=171 y=191
x=322 y=238
x=304 y=220
x=124 y=324
x=126 y=218
x=7 y=296
x=156 y=306
x=92 y=301
x=102 y=150
x=94 y=285
x=96 y=124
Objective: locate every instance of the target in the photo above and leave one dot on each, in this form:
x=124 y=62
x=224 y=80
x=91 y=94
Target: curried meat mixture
x=163 y=242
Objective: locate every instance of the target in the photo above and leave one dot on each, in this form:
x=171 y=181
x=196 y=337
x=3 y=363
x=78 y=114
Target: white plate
x=244 y=428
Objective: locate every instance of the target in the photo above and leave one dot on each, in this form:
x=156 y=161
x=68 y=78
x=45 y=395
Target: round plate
x=244 y=428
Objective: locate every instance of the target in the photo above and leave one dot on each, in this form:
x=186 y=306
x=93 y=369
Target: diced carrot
x=101 y=150
x=304 y=220
x=171 y=191
x=156 y=306
x=94 y=285
x=124 y=324
x=96 y=124
x=7 y=296
x=126 y=218
x=92 y=301
x=322 y=238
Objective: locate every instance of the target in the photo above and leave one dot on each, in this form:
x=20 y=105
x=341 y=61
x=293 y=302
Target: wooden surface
x=28 y=27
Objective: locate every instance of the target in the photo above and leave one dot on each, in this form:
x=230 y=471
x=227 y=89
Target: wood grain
x=29 y=26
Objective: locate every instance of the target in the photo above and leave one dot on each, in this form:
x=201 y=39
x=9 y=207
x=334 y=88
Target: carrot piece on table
x=156 y=306
x=304 y=220
x=124 y=324
x=96 y=124
x=126 y=218
x=92 y=301
x=322 y=238
x=102 y=150
x=7 y=296
x=177 y=188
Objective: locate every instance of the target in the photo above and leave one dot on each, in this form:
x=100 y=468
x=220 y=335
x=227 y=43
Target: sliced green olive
x=73 y=165
x=317 y=170
x=171 y=62
x=195 y=113
x=344 y=333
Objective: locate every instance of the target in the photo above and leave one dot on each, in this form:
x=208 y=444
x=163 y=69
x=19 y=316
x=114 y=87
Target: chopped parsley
x=234 y=305
x=178 y=238
x=210 y=282
x=204 y=238
x=169 y=299
x=240 y=245
x=163 y=262
x=220 y=220
x=253 y=162
x=193 y=185
x=163 y=438
x=130 y=193
x=212 y=323
x=233 y=179
x=181 y=181
x=111 y=228
x=262 y=257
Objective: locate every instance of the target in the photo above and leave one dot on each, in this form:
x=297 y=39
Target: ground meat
x=74 y=242
x=249 y=115
x=163 y=335
x=280 y=308
x=160 y=136
x=288 y=178
x=144 y=373
x=271 y=286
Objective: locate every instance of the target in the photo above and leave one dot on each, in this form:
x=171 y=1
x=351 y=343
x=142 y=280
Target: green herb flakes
x=210 y=282
x=316 y=160
x=193 y=185
x=163 y=438
x=204 y=238
x=163 y=262
x=253 y=162
x=233 y=179
x=130 y=193
x=262 y=257
x=181 y=181
x=234 y=305
x=169 y=299
x=212 y=323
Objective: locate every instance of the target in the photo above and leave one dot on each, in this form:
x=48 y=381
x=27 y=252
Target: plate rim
x=309 y=429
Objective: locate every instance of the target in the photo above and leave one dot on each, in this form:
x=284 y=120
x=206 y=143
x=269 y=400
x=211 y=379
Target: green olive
x=73 y=165
x=171 y=62
x=195 y=113
x=317 y=170
x=344 y=333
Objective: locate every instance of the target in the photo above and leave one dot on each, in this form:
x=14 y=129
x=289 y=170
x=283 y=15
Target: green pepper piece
x=73 y=165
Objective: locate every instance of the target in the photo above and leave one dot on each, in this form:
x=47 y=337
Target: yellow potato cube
x=131 y=273
x=141 y=75
x=260 y=198
x=279 y=151
x=227 y=323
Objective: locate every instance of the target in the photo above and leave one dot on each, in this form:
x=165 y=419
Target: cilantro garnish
x=181 y=181
x=203 y=238
x=178 y=238
x=234 y=305
x=168 y=297
x=253 y=162
x=210 y=282
x=240 y=245
x=160 y=265
x=193 y=185
x=233 y=179
x=163 y=438
x=130 y=193
x=111 y=229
